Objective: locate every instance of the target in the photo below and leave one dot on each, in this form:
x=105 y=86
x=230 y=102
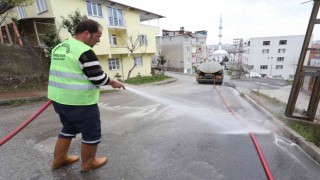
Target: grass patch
x=146 y=79
x=289 y=82
x=304 y=130
x=271 y=100
x=17 y=103
x=310 y=132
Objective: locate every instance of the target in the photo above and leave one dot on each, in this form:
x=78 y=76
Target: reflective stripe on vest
x=72 y=86
x=68 y=75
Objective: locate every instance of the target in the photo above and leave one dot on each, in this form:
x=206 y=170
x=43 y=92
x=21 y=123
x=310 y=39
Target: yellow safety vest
x=67 y=82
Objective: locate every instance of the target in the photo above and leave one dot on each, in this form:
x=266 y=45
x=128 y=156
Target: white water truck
x=210 y=72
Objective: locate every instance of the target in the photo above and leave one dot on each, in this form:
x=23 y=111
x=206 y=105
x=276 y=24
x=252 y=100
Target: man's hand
x=116 y=84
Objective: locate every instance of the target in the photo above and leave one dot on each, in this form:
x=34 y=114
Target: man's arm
x=90 y=66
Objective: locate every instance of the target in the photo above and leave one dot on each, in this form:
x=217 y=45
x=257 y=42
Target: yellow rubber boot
x=89 y=160
x=61 y=157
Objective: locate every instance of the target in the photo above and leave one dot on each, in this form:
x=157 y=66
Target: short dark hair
x=87 y=25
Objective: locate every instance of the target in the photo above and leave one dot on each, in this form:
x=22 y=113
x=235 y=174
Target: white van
x=253 y=75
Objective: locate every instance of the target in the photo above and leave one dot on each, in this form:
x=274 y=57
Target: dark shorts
x=80 y=119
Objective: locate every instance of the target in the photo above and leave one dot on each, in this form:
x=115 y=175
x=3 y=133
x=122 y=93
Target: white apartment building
x=271 y=56
x=184 y=50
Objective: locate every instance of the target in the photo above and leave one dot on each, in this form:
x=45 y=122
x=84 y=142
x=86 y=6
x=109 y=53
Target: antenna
x=220 y=32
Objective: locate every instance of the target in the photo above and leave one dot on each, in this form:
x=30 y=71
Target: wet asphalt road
x=180 y=130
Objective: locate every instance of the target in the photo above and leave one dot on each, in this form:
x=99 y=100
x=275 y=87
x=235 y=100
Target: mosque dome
x=220 y=52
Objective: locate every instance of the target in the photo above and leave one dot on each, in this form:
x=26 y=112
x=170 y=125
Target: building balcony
x=195 y=43
x=120 y=24
x=118 y=50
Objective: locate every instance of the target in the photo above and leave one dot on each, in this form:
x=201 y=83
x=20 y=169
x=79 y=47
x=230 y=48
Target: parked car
x=278 y=77
x=275 y=77
x=252 y=75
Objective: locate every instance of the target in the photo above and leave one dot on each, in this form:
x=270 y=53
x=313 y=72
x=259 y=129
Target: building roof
x=144 y=15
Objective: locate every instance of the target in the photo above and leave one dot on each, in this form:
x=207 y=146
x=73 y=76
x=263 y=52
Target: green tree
x=225 y=59
x=162 y=58
x=51 y=39
x=6 y=5
x=72 y=20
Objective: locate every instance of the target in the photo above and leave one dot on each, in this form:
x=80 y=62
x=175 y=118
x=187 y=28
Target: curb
x=170 y=80
x=28 y=99
x=308 y=147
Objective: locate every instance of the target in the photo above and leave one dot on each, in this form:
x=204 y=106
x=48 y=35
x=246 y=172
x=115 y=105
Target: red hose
x=25 y=123
x=263 y=161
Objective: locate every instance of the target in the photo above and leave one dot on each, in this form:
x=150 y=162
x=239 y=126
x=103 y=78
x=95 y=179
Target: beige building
x=184 y=50
x=123 y=26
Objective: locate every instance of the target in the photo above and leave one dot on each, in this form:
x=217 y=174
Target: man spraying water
x=75 y=77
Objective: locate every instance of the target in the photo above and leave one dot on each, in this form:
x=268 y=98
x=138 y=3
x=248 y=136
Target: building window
x=154 y=61
x=22 y=12
x=94 y=9
x=282 y=42
x=41 y=6
x=113 y=40
x=115 y=17
x=280 y=58
x=113 y=64
x=279 y=66
x=250 y=67
x=143 y=40
x=264 y=67
x=138 y=62
x=281 y=51
x=265 y=51
x=266 y=43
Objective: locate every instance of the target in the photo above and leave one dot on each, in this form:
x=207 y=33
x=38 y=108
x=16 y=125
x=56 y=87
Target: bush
x=146 y=79
x=118 y=76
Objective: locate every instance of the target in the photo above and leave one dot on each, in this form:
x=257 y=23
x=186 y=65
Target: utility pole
x=238 y=44
x=302 y=72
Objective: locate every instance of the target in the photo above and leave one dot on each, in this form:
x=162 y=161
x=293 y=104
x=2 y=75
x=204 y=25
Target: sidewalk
x=283 y=94
x=7 y=98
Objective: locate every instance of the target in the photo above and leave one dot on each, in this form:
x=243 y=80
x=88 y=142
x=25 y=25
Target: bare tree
x=133 y=44
x=161 y=58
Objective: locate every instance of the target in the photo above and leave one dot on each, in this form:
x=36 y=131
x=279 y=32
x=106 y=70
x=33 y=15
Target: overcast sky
x=241 y=18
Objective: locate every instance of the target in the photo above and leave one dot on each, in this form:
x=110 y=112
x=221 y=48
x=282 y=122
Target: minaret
x=220 y=33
